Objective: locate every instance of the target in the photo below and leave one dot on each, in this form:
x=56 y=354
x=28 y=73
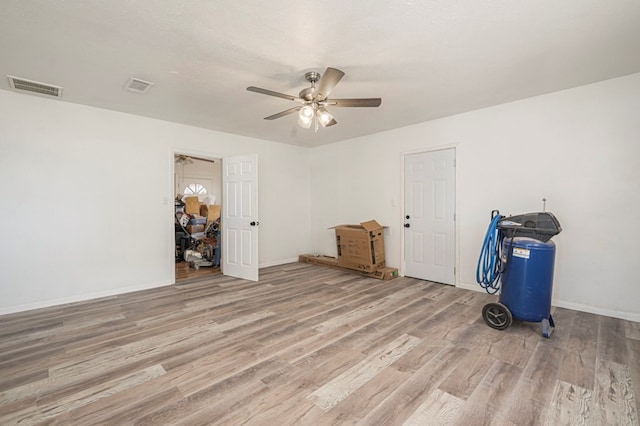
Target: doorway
x=197 y=240
x=429 y=215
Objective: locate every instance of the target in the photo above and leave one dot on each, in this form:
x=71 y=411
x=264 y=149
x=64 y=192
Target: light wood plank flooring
x=311 y=345
x=184 y=272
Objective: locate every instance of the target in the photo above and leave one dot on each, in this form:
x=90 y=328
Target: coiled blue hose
x=489 y=262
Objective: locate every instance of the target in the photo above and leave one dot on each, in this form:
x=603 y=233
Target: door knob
x=254 y=223
x=407 y=217
x=407 y=225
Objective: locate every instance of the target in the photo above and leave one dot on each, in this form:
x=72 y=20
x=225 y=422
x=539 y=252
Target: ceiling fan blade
x=327 y=82
x=283 y=113
x=272 y=93
x=362 y=102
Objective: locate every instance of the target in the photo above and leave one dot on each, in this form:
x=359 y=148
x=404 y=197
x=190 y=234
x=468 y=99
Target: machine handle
x=494 y=213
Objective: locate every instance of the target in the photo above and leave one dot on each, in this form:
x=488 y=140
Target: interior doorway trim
x=171 y=209
x=400 y=221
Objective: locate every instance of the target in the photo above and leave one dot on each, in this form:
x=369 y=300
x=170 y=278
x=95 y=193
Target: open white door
x=429 y=238
x=240 y=216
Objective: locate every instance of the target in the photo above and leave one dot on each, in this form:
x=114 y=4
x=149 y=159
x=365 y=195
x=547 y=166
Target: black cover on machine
x=540 y=226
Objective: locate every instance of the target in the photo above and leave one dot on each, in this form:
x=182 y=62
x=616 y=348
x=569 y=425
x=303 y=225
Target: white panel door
x=429 y=233
x=240 y=216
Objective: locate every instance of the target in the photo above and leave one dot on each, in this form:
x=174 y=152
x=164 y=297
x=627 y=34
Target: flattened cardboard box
x=360 y=247
x=381 y=274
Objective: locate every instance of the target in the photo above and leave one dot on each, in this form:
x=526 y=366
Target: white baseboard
x=278 y=262
x=96 y=295
x=472 y=287
x=630 y=316
x=78 y=298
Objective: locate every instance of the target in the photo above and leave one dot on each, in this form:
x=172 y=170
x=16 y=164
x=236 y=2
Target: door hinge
x=454 y=217
x=454 y=162
x=454 y=270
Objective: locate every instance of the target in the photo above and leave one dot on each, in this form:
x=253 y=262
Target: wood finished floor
x=184 y=272
x=313 y=346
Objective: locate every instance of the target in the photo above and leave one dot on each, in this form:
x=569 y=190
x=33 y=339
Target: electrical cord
x=489 y=263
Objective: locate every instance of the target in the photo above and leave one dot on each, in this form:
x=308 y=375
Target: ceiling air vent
x=34 y=87
x=136 y=85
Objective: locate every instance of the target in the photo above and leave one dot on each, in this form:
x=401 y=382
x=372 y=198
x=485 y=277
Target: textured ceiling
x=425 y=59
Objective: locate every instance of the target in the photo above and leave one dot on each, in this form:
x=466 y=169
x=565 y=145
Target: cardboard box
x=361 y=247
x=385 y=273
x=211 y=212
x=381 y=274
x=192 y=205
x=192 y=229
x=332 y=262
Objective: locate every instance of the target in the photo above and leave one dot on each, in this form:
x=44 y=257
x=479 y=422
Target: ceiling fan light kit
x=304 y=122
x=314 y=100
x=183 y=160
x=323 y=116
x=306 y=113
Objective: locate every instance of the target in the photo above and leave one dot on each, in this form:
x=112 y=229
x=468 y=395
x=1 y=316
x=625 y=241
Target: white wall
x=72 y=229
x=579 y=148
x=72 y=226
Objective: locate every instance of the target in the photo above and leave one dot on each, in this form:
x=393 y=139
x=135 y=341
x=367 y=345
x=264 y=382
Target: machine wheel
x=497 y=316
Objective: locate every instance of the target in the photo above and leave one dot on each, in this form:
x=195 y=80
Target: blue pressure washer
x=517 y=259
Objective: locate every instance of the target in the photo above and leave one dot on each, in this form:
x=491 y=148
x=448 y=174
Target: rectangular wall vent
x=137 y=85
x=34 y=87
